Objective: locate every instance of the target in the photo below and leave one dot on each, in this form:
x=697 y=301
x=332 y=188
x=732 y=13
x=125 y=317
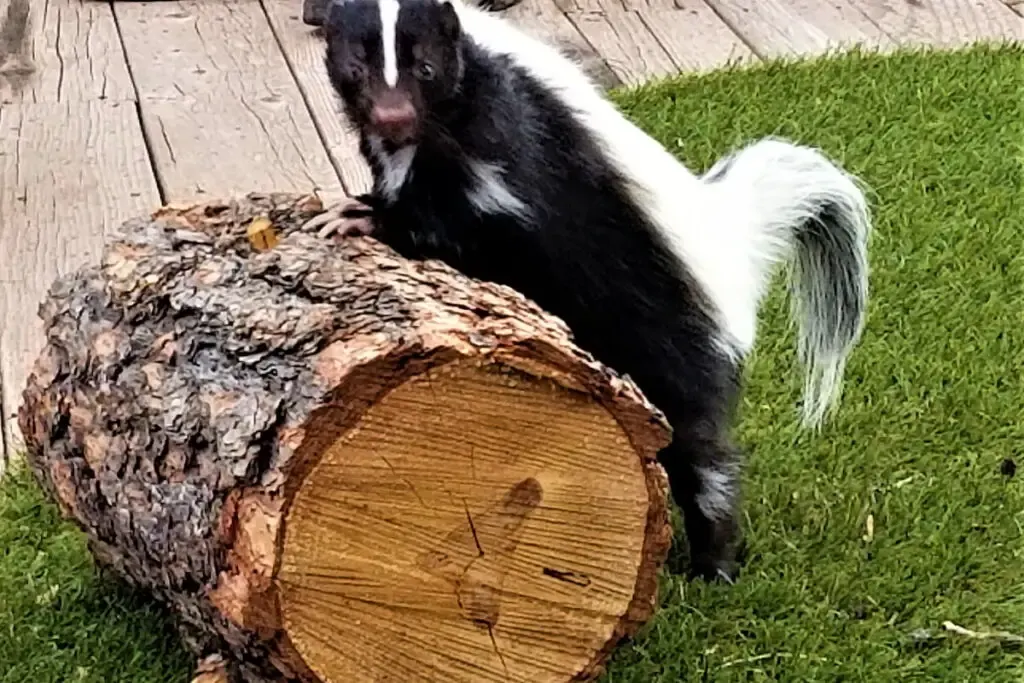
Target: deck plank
x=222 y=111
x=69 y=171
x=696 y=39
x=72 y=163
x=303 y=47
x=544 y=20
x=620 y=36
x=76 y=54
x=788 y=28
x=771 y=28
x=943 y=23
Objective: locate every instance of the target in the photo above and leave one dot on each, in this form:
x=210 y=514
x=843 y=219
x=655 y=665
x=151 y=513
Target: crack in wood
x=497 y=650
x=472 y=530
x=575 y=578
x=404 y=480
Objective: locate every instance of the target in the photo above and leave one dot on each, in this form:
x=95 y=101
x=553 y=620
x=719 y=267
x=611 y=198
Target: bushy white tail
x=795 y=205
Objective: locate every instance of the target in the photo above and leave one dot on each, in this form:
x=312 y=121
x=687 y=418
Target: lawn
x=932 y=414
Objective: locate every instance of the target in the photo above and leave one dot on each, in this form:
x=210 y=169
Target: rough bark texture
x=191 y=381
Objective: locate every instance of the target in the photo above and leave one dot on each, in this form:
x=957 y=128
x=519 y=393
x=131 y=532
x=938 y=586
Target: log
x=336 y=465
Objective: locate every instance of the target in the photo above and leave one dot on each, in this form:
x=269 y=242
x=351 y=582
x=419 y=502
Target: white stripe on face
x=389 y=36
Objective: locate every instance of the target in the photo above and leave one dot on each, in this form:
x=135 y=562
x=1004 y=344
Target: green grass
x=934 y=403
x=60 y=622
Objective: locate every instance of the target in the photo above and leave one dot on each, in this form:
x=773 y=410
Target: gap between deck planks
x=641 y=39
x=68 y=170
x=220 y=106
x=72 y=162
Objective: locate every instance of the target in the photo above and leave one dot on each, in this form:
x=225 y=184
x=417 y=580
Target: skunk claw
x=346 y=218
x=346 y=227
x=318 y=221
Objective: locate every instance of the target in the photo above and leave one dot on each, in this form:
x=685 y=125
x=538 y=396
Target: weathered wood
x=786 y=28
x=221 y=109
x=71 y=155
x=72 y=47
x=304 y=50
x=694 y=37
x=844 y=24
x=337 y=465
x=68 y=170
x=16 y=63
x=943 y=23
x=621 y=38
x=544 y=20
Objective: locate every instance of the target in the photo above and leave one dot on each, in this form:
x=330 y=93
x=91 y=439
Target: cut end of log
x=478 y=524
x=338 y=466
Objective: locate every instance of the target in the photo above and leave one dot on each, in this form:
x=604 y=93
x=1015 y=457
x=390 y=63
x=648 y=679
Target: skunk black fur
x=506 y=182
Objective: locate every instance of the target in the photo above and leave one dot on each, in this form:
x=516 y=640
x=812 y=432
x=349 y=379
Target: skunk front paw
x=351 y=216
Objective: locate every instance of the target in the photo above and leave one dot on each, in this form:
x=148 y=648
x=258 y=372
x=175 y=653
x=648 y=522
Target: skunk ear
x=450 y=26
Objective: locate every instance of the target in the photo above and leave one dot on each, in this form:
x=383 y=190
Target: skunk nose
x=394 y=118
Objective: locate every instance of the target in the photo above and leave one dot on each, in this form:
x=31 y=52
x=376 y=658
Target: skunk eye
x=424 y=71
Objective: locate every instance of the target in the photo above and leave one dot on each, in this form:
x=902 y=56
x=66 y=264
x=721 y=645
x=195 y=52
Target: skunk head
x=394 y=63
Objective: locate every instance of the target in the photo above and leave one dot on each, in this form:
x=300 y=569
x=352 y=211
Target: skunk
x=493 y=152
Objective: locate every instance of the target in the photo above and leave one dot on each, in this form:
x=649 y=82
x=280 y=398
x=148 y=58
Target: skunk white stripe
x=716 y=496
x=671 y=195
x=389 y=36
x=490 y=194
x=730 y=232
x=395 y=166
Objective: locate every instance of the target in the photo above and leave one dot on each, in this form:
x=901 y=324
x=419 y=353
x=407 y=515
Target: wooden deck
x=132 y=104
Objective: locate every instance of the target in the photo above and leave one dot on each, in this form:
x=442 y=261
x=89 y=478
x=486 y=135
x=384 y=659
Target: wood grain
x=544 y=19
x=73 y=49
x=68 y=171
x=221 y=110
x=622 y=38
x=943 y=23
x=785 y=28
x=303 y=48
x=482 y=486
x=695 y=38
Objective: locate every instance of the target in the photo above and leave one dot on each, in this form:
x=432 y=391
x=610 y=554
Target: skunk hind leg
x=704 y=476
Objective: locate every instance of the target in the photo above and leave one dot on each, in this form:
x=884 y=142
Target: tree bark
x=334 y=464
